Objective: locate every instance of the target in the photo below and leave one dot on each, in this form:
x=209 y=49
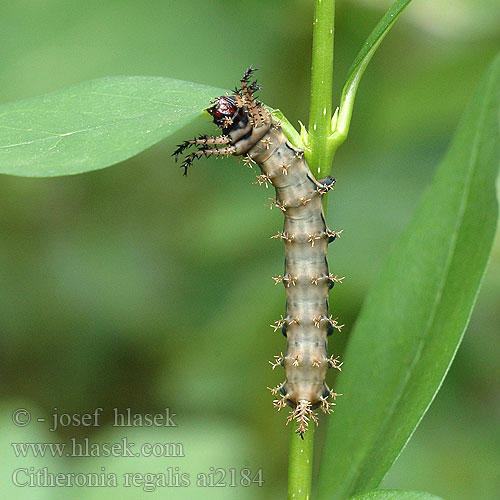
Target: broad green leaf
x=341 y=123
x=95 y=124
x=395 y=495
x=415 y=314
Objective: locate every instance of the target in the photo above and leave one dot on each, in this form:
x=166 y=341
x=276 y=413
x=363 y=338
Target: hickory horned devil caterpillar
x=248 y=130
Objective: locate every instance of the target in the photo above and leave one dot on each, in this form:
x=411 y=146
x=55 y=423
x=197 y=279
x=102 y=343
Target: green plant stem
x=300 y=463
x=319 y=156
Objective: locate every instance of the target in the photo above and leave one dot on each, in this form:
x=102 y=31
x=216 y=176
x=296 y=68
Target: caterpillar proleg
x=248 y=130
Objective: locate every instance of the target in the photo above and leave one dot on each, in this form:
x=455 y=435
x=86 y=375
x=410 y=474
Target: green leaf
x=95 y=124
x=342 y=122
x=395 y=495
x=415 y=314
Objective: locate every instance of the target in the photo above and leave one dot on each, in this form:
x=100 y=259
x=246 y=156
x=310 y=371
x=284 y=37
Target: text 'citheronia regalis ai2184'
x=248 y=130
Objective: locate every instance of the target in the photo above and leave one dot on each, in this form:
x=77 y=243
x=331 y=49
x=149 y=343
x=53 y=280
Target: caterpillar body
x=248 y=130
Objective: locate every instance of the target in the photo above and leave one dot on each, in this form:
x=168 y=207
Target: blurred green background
x=136 y=287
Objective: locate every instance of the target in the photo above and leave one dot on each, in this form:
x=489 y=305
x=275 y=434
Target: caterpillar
x=249 y=131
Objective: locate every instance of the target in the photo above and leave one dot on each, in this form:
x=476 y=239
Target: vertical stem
x=319 y=157
x=300 y=464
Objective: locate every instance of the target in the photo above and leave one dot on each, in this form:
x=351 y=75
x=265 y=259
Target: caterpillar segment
x=248 y=130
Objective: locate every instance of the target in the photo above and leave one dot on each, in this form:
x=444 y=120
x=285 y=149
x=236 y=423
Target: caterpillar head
x=225 y=111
